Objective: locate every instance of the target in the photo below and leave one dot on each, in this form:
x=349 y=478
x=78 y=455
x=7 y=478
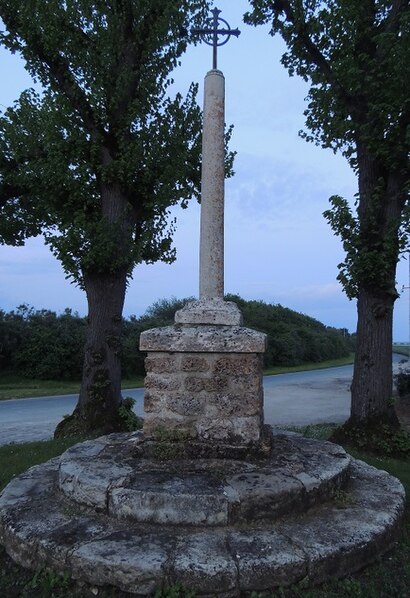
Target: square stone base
x=213 y=395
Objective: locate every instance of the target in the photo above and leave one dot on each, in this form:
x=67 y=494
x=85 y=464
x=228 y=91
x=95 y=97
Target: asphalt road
x=290 y=399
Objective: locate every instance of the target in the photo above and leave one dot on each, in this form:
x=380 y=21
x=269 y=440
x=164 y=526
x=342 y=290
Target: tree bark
x=380 y=207
x=372 y=384
x=100 y=394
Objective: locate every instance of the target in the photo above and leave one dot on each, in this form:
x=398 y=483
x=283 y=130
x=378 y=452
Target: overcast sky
x=278 y=246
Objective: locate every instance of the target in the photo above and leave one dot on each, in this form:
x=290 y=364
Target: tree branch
x=315 y=55
x=59 y=70
x=132 y=53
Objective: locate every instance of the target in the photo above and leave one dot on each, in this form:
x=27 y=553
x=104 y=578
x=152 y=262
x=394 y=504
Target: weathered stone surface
x=299 y=473
x=87 y=483
x=203 y=561
x=162 y=362
x=210 y=311
x=187 y=405
x=133 y=563
x=335 y=538
x=154 y=402
x=234 y=430
x=211 y=250
x=230 y=404
x=193 y=363
x=169 y=499
x=201 y=339
x=161 y=382
x=266 y=560
x=219 y=394
x=36 y=482
x=235 y=365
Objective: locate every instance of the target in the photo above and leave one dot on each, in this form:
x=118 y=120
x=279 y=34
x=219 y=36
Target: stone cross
x=211 y=267
x=204 y=374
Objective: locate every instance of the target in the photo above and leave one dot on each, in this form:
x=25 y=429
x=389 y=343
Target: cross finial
x=210 y=33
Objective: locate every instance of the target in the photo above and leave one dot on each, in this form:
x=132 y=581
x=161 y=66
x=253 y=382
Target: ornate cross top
x=211 y=33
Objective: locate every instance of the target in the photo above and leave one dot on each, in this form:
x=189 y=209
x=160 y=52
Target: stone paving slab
x=41 y=528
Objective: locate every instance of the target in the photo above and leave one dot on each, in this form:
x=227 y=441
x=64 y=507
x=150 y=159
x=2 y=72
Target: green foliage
x=131 y=421
x=346 y=50
x=375 y=437
x=403 y=381
x=44 y=581
x=17 y=458
x=95 y=161
x=293 y=338
x=355 y=56
x=42 y=344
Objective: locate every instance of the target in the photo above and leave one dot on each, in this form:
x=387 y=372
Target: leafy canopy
x=356 y=56
x=95 y=161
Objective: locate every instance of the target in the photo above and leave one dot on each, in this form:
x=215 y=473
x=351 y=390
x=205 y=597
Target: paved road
x=290 y=399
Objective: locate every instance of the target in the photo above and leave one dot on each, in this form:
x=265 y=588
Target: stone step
x=106 y=476
x=41 y=528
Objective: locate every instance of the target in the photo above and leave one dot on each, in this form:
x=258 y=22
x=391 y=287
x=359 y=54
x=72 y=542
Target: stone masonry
x=204 y=383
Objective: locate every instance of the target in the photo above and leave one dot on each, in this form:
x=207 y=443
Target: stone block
x=162 y=381
x=230 y=404
x=168 y=499
x=246 y=385
x=210 y=311
x=193 y=363
x=154 y=402
x=202 y=339
x=266 y=560
x=161 y=363
x=233 y=365
x=207 y=379
x=203 y=561
x=123 y=561
x=194 y=384
x=216 y=384
x=235 y=430
x=186 y=405
x=171 y=422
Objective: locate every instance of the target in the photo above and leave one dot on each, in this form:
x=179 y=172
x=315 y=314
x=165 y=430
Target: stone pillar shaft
x=211 y=254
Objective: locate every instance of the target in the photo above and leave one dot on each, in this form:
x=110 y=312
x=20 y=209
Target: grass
x=17 y=458
x=331 y=363
x=14 y=387
x=401 y=349
x=388 y=578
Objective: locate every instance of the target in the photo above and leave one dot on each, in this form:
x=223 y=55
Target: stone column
x=211 y=307
x=211 y=254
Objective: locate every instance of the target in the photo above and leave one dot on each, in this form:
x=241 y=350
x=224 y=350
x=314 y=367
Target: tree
x=95 y=161
x=356 y=56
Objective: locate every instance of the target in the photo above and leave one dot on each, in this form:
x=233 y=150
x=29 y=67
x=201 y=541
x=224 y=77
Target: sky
x=278 y=246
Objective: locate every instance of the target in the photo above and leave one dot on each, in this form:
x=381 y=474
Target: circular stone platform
x=88 y=532
x=108 y=477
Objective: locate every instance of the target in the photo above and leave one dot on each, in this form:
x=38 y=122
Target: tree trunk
x=372 y=385
x=100 y=394
x=373 y=421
